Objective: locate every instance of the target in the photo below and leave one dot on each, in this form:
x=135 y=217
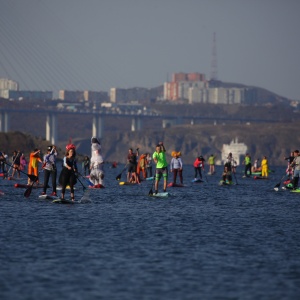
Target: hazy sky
x=99 y=44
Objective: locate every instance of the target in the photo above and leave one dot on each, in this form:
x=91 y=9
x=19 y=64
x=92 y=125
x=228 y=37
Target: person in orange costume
x=141 y=166
x=176 y=166
x=33 y=163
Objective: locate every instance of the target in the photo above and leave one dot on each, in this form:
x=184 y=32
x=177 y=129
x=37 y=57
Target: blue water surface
x=205 y=241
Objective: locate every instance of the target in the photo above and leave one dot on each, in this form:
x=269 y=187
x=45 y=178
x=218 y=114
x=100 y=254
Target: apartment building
x=196 y=89
x=7 y=84
x=27 y=95
x=179 y=87
x=118 y=95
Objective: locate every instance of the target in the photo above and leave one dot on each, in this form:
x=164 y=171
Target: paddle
x=31 y=177
x=120 y=175
x=235 y=178
x=83 y=187
x=29 y=189
x=278 y=184
x=151 y=192
x=205 y=175
x=86 y=180
x=7 y=173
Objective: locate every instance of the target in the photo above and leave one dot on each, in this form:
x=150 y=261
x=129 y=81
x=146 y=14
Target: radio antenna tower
x=214 y=62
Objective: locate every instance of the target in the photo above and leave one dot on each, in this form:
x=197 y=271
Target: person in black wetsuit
x=68 y=173
x=86 y=165
x=132 y=165
x=16 y=163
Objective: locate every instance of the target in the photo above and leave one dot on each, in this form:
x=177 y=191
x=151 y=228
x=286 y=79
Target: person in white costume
x=97 y=174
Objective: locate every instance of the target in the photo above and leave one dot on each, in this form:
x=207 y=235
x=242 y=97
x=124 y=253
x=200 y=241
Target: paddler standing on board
x=199 y=166
x=232 y=161
x=141 y=166
x=211 y=162
x=68 y=173
x=86 y=165
x=16 y=163
x=149 y=165
x=132 y=166
x=97 y=173
x=289 y=171
x=264 y=167
x=248 y=165
x=159 y=158
x=50 y=170
x=33 y=166
x=176 y=166
x=296 y=166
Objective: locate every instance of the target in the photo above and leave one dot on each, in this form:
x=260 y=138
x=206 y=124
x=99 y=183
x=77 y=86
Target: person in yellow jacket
x=264 y=167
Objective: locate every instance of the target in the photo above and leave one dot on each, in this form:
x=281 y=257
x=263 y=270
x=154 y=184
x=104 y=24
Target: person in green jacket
x=159 y=158
x=247 y=163
x=211 y=162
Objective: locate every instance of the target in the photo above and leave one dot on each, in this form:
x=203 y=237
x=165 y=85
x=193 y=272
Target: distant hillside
x=275 y=140
x=279 y=112
x=271 y=140
x=21 y=141
x=25 y=143
x=264 y=95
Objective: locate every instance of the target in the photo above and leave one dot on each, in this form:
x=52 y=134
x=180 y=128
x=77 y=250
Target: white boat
x=237 y=149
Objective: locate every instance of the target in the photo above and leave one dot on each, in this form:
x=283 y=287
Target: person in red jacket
x=199 y=166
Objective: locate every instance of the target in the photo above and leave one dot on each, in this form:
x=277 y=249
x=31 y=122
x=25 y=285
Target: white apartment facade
x=7 y=84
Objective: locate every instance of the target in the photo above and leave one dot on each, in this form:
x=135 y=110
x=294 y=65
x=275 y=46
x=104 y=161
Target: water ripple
x=205 y=241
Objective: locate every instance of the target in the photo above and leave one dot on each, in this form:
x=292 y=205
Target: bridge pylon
x=51 y=128
x=98 y=126
x=4 y=121
x=136 y=124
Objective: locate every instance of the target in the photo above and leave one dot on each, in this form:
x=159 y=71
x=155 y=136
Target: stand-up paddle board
x=16 y=179
x=48 y=197
x=197 y=180
x=171 y=184
x=127 y=183
x=25 y=186
x=260 y=177
x=222 y=182
x=63 y=201
x=162 y=195
x=97 y=186
x=67 y=188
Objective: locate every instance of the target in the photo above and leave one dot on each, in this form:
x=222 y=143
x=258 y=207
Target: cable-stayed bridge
x=98 y=119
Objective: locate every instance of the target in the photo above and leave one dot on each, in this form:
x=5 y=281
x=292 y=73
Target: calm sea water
x=205 y=241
